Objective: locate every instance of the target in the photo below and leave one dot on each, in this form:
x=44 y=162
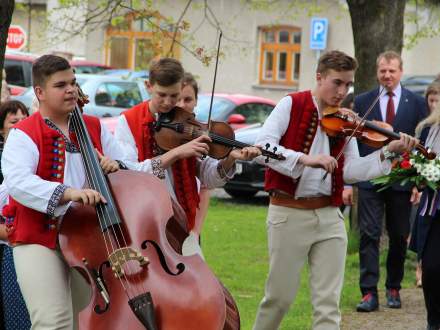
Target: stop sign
x=16 y=37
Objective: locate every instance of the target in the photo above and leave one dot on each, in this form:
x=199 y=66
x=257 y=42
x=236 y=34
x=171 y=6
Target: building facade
x=264 y=52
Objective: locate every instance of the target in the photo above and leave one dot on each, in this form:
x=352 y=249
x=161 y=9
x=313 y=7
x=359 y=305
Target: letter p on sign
x=318 y=33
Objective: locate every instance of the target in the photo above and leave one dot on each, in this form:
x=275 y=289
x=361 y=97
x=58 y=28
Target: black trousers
x=396 y=207
x=431 y=273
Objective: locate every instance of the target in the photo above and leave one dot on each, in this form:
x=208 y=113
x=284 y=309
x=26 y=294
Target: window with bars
x=280 y=55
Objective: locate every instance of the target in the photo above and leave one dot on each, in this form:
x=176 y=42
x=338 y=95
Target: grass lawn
x=235 y=246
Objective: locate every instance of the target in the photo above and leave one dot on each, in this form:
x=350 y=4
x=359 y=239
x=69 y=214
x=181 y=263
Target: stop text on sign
x=16 y=37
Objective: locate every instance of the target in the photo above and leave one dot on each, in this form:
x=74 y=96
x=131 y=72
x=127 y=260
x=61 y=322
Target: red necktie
x=390 y=109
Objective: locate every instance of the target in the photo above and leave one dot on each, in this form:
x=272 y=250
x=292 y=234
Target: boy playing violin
x=180 y=166
x=44 y=173
x=304 y=221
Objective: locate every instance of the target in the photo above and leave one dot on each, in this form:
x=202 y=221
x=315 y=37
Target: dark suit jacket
x=411 y=110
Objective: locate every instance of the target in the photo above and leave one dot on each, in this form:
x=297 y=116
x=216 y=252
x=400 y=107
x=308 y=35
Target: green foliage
x=424 y=17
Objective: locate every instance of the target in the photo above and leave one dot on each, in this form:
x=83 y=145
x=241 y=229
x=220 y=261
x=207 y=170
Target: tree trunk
x=6 y=10
x=377 y=26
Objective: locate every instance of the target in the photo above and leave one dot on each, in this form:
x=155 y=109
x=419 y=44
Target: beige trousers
x=294 y=237
x=53 y=292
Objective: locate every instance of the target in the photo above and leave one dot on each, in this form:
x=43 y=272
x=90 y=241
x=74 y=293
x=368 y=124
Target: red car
x=18 y=66
x=238 y=110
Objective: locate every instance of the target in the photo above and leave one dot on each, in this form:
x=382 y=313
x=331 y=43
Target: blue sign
x=318 y=33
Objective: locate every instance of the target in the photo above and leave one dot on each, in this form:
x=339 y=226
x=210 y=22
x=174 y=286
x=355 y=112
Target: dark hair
x=166 y=72
x=388 y=56
x=336 y=60
x=13 y=107
x=347 y=102
x=45 y=66
x=189 y=80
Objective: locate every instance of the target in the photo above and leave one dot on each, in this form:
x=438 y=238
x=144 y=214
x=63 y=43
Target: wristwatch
x=388 y=154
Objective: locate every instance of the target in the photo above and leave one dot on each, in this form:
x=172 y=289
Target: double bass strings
x=102 y=210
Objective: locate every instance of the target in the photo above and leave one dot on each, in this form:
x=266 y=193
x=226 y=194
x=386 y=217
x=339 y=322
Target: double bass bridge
x=121 y=256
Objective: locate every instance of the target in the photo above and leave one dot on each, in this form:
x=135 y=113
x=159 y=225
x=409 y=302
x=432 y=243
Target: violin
x=340 y=122
x=178 y=127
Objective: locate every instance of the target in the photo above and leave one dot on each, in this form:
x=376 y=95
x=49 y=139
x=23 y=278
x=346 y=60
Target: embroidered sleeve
x=54 y=200
x=158 y=170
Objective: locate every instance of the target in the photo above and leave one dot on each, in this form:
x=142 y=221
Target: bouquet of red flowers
x=412 y=168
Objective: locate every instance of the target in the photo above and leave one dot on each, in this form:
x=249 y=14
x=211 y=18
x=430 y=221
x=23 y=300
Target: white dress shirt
x=310 y=184
x=20 y=161
x=206 y=169
x=383 y=101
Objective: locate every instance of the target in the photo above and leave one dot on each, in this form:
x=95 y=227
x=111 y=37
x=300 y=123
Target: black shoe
x=432 y=327
x=369 y=303
x=393 y=298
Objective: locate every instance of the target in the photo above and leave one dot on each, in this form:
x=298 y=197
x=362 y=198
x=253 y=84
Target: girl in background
x=426 y=230
x=14 y=314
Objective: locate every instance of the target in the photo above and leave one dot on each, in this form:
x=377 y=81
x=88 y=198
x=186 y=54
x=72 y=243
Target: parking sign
x=318 y=33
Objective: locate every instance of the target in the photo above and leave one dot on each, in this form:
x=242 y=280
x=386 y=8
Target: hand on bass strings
x=85 y=196
x=406 y=143
x=326 y=162
x=108 y=165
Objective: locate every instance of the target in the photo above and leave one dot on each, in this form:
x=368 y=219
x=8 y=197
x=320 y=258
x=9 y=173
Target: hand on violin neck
x=85 y=196
x=326 y=162
x=247 y=153
x=406 y=143
x=195 y=148
x=108 y=165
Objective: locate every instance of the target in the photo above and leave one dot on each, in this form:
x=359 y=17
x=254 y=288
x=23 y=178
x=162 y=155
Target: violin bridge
x=119 y=257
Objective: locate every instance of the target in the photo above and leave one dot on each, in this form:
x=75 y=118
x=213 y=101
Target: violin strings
x=225 y=140
x=361 y=122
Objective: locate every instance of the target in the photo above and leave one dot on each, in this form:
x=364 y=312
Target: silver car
x=108 y=95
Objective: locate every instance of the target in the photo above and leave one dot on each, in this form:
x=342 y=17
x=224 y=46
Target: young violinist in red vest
x=179 y=166
x=44 y=173
x=304 y=221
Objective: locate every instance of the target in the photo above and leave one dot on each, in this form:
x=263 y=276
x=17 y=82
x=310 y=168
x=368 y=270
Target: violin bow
x=213 y=83
x=361 y=122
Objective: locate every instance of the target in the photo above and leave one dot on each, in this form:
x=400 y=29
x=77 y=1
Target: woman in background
x=14 y=314
x=432 y=96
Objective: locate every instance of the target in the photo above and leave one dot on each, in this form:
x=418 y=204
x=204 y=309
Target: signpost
x=16 y=38
x=318 y=34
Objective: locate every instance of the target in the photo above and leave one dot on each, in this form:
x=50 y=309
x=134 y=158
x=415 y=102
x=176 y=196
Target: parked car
x=108 y=96
x=235 y=109
x=18 y=66
x=127 y=74
x=417 y=84
x=249 y=175
x=89 y=67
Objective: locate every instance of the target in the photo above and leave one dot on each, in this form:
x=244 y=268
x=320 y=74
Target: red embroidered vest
x=29 y=226
x=140 y=121
x=299 y=136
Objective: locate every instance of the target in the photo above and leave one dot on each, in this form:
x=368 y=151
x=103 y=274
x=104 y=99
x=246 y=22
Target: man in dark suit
x=403 y=110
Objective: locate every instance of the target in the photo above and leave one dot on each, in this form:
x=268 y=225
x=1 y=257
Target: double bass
x=124 y=249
